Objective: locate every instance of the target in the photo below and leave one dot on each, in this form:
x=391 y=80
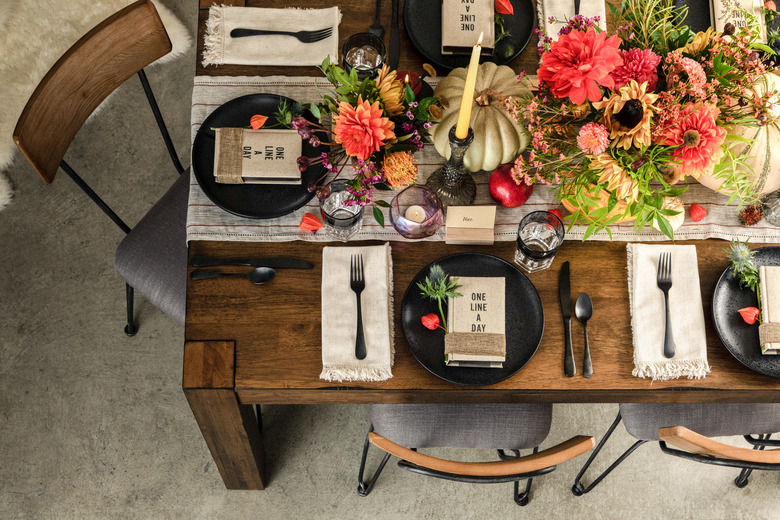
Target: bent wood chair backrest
x=83 y=77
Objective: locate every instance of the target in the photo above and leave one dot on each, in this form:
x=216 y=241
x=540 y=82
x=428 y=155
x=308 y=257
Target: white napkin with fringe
x=220 y=48
x=339 y=315
x=648 y=312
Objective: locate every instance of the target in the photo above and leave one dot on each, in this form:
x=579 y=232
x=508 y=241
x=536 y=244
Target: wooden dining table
x=247 y=345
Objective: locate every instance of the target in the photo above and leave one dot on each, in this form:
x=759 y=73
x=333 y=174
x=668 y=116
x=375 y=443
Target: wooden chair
x=153 y=256
x=400 y=429
x=695 y=424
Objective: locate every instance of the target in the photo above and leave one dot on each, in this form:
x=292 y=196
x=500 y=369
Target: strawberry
x=558 y=213
x=697 y=212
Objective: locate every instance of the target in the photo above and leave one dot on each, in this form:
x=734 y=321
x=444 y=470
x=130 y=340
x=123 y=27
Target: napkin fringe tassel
x=692 y=369
x=353 y=373
x=214 y=39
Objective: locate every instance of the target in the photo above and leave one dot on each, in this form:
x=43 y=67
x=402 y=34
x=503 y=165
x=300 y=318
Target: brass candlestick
x=452 y=182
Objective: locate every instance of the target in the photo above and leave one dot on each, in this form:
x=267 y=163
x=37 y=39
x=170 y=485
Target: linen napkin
x=220 y=48
x=339 y=315
x=648 y=311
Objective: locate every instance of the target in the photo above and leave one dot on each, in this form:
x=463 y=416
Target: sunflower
x=618 y=181
x=627 y=115
x=391 y=91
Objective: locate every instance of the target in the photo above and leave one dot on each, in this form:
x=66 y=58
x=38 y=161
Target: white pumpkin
x=675 y=204
x=764 y=153
x=498 y=139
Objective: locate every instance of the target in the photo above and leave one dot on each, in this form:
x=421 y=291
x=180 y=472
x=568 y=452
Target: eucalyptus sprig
x=438 y=286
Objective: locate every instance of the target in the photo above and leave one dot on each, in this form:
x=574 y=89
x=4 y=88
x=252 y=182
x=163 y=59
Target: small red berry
x=558 y=213
x=697 y=212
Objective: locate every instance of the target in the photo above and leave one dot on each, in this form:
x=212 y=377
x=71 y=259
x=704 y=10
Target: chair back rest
x=692 y=442
x=83 y=77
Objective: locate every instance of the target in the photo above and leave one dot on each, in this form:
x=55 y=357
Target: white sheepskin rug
x=33 y=36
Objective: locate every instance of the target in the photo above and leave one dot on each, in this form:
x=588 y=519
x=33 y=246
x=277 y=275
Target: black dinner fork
x=357 y=283
x=664 y=281
x=303 y=36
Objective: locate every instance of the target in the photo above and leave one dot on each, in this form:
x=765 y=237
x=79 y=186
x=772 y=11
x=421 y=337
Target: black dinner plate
x=524 y=324
x=739 y=338
x=250 y=200
x=422 y=19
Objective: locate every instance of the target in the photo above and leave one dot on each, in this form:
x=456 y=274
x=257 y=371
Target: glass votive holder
x=364 y=52
x=416 y=212
x=341 y=221
x=539 y=236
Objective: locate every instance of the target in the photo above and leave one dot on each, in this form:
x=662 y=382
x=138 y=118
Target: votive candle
x=415 y=213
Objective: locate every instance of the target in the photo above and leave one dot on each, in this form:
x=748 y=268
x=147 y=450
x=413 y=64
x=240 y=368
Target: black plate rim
x=538 y=300
x=720 y=285
x=204 y=134
x=438 y=60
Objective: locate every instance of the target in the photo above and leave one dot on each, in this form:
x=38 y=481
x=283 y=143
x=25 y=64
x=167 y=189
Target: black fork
x=357 y=283
x=664 y=281
x=303 y=36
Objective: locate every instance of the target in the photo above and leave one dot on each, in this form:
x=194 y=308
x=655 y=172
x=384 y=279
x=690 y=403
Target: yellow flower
x=618 y=181
x=400 y=169
x=629 y=127
x=699 y=42
x=391 y=91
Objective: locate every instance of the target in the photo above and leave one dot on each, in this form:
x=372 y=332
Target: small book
x=243 y=156
x=565 y=10
x=728 y=11
x=476 y=323
x=769 y=292
x=461 y=23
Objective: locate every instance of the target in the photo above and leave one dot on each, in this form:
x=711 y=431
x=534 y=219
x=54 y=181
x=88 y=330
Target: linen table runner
x=648 y=313
x=206 y=221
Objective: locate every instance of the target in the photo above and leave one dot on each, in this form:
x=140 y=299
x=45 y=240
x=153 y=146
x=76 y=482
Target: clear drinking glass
x=341 y=222
x=365 y=52
x=539 y=236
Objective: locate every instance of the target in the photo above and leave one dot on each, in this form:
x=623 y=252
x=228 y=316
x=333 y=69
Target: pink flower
x=579 y=63
x=593 y=139
x=698 y=138
x=639 y=65
x=362 y=130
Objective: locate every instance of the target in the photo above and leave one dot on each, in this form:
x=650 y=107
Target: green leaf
x=665 y=227
x=382 y=186
x=315 y=110
x=382 y=203
x=379 y=216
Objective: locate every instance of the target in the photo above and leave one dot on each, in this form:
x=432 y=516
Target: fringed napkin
x=220 y=48
x=648 y=311
x=339 y=315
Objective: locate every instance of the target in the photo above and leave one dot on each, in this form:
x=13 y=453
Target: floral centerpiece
x=619 y=119
x=373 y=126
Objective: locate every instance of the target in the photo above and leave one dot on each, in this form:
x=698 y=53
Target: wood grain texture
x=277 y=332
x=558 y=454
x=692 y=442
x=82 y=78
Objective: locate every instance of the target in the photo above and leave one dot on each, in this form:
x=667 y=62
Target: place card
x=769 y=291
x=461 y=23
x=470 y=225
x=243 y=156
x=476 y=323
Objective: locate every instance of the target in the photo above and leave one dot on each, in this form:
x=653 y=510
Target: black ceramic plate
x=698 y=17
x=422 y=19
x=250 y=200
x=524 y=325
x=741 y=339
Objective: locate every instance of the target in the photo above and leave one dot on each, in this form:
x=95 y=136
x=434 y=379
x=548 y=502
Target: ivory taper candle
x=464 y=116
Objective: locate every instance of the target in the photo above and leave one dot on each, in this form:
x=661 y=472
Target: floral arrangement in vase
x=373 y=126
x=618 y=120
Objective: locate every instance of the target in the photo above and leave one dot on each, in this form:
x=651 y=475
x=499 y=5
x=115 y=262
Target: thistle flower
x=743 y=265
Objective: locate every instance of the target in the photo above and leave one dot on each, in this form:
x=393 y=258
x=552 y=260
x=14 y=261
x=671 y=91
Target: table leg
x=230 y=429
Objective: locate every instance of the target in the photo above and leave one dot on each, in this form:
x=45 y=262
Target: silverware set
x=303 y=36
x=264 y=268
x=583 y=310
x=664 y=281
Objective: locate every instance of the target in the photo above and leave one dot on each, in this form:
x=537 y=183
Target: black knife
x=283 y=263
x=395 y=45
x=564 y=291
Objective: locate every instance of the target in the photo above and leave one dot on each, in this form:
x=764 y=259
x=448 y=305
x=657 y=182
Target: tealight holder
x=416 y=212
x=452 y=182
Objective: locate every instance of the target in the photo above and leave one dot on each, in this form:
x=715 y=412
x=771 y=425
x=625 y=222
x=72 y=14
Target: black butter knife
x=394 y=51
x=282 y=263
x=564 y=292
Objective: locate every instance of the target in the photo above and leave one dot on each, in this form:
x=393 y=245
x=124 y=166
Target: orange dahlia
x=698 y=138
x=362 y=130
x=391 y=90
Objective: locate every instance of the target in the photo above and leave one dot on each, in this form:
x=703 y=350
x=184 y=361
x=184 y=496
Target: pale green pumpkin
x=498 y=139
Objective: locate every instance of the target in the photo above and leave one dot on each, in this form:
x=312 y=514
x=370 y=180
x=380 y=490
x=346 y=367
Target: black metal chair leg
x=364 y=488
x=160 y=122
x=578 y=489
x=742 y=479
x=130 y=328
x=521 y=499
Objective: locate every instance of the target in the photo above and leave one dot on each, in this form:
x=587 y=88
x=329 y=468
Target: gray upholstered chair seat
x=152 y=258
x=712 y=420
x=491 y=426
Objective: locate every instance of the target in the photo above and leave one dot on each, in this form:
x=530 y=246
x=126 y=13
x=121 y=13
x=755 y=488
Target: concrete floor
x=94 y=424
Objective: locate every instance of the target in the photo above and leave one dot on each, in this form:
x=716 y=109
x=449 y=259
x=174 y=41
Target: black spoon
x=583 y=309
x=258 y=275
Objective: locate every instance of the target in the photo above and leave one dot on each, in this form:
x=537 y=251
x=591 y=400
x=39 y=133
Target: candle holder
x=416 y=212
x=452 y=182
